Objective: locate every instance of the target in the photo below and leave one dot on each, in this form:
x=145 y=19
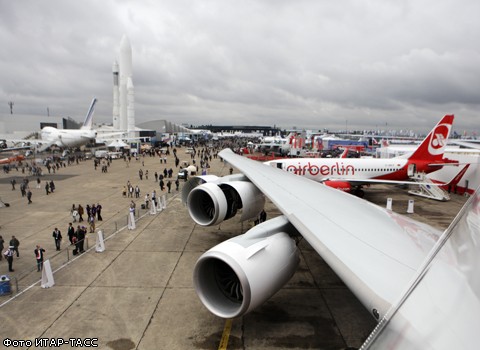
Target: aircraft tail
x=433 y=146
x=88 y=123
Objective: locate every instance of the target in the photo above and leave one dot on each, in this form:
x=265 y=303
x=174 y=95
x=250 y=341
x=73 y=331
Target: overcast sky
x=298 y=63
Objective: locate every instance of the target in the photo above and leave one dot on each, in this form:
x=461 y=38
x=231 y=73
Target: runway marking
x=225 y=335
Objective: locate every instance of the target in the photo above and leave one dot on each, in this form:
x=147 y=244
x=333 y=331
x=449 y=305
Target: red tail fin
x=433 y=146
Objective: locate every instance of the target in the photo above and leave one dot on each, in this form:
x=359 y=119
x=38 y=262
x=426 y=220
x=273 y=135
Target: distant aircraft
x=281 y=145
x=423 y=285
x=351 y=174
x=12 y=159
x=64 y=138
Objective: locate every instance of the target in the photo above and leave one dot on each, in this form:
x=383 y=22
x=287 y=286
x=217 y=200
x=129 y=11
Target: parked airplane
x=13 y=159
x=353 y=173
x=66 y=138
x=423 y=285
x=63 y=138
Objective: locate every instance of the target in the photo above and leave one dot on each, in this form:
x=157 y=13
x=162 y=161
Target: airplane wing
x=12 y=149
x=440 y=309
x=467 y=143
x=26 y=144
x=374 y=251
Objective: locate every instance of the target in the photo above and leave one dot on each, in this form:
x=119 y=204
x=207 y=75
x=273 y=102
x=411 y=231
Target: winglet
x=87 y=124
x=459 y=176
x=433 y=146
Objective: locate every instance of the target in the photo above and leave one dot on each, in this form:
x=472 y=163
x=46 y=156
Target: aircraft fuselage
x=67 y=138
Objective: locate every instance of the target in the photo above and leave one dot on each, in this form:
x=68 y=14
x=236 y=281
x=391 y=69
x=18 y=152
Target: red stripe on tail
x=433 y=146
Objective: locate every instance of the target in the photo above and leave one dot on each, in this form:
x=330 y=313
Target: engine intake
x=238 y=275
x=211 y=203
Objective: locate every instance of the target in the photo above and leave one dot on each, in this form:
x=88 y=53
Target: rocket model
x=116 y=93
x=123 y=91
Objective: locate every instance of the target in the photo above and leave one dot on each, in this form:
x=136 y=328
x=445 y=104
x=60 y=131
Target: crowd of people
x=91 y=214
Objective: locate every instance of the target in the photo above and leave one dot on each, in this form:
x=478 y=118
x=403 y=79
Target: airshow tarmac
x=138 y=293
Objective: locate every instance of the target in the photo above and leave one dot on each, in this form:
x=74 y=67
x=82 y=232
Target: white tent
x=117 y=144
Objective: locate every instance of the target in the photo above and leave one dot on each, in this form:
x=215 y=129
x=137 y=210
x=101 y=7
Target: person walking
x=9 y=256
x=91 y=222
x=99 y=212
x=15 y=243
x=29 y=196
x=81 y=237
x=39 y=256
x=74 y=213
x=70 y=232
x=147 y=200
x=52 y=186
x=57 y=236
x=80 y=213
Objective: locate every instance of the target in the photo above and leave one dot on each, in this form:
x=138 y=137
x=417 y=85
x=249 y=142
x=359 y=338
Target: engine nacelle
x=213 y=202
x=194 y=182
x=240 y=274
x=339 y=185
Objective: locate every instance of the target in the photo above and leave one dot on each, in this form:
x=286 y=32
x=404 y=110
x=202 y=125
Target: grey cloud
x=304 y=63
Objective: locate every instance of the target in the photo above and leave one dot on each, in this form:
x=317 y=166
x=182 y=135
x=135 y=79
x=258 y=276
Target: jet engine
x=339 y=185
x=211 y=200
x=238 y=275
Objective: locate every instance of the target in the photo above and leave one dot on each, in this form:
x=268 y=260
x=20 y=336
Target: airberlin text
x=324 y=170
x=52 y=342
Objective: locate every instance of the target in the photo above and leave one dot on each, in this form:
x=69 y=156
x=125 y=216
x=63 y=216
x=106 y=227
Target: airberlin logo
x=324 y=170
x=438 y=139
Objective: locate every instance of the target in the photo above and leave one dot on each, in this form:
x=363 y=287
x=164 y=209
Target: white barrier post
x=47 y=275
x=100 y=244
x=131 y=219
x=410 y=206
x=164 y=201
x=153 y=208
x=159 y=204
x=389 y=203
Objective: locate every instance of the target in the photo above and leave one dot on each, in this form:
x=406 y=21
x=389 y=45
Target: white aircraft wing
x=28 y=143
x=467 y=143
x=12 y=149
x=374 y=251
x=441 y=308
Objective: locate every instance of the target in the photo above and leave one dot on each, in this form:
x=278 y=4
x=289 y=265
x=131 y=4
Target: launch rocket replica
x=123 y=91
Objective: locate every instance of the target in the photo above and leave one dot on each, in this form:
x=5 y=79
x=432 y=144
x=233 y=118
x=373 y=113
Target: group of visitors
x=94 y=213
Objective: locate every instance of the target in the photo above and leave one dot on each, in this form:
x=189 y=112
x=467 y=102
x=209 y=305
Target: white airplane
x=421 y=284
x=64 y=138
x=350 y=174
x=280 y=145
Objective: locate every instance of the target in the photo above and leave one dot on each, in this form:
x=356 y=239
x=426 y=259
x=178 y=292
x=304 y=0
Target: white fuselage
x=67 y=138
x=320 y=169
